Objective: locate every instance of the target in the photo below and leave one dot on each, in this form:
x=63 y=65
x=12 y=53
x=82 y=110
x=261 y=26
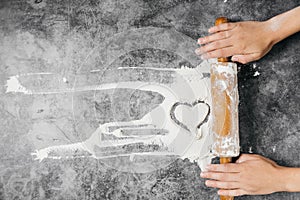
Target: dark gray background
x=269 y=103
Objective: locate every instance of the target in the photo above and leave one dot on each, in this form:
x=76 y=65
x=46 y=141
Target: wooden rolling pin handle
x=221 y=20
x=224 y=160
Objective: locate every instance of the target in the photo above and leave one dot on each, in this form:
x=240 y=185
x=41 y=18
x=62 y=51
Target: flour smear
x=189 y=85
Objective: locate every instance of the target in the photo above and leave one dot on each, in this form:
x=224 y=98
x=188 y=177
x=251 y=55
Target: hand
x=251 y=174
x=244 y=41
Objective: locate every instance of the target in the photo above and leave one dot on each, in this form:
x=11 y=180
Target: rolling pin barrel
x=224 y=109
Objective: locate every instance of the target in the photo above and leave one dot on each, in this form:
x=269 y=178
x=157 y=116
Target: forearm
x=284 y=25
x=290 y=179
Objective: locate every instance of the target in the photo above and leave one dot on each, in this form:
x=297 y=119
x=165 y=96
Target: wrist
x=284 y=25
x=273 y=31
x=289 y=179
x=282 y=179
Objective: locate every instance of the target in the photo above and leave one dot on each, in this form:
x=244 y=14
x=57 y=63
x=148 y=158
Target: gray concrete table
x=57 y=45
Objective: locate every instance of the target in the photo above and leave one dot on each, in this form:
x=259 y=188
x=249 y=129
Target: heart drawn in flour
x=190 y=116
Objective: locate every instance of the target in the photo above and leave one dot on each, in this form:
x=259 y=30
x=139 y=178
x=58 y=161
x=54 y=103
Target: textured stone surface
x=68 y=38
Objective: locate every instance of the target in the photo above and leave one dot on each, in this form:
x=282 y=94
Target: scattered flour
x=256 y=73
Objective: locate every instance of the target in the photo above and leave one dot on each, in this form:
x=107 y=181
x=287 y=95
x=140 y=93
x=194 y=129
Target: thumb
x=245 y=157
x=244 y=58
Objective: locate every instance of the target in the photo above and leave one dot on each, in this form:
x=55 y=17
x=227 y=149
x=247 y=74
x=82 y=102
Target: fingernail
x=204 y=57
x=198 y=51
x=201 y=40
x=207 y=183
x=210 y=30
x=203 y=174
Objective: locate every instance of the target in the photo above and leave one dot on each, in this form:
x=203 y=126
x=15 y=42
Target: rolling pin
x=224 y=109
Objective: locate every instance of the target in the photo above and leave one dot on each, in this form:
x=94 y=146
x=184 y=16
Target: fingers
x=228 y=168
x=245 y=58
x=221 y=184
x=218 y=53
x=214 y=45
x=247 y=157
x=236 y=192
x=214 y=37
x=222 y=27
x=268 y=160
x=217 y=44
x=222 y=48
x=220 y=176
